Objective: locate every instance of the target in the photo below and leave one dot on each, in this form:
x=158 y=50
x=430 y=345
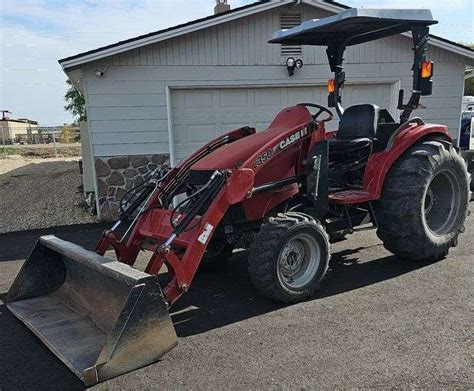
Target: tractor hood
x=235 y=154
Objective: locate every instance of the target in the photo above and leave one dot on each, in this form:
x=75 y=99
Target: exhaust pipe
x=102 y=318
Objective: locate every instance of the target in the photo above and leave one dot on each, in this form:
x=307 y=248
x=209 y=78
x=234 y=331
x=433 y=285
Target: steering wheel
x=322 y=109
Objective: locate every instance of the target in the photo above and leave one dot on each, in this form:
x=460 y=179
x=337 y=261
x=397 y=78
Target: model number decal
x=267 y=155
x=263 y=158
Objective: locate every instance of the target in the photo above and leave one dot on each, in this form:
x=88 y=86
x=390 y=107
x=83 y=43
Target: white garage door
x=202 y=114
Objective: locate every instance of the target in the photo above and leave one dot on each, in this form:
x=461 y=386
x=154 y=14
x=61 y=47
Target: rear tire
x=424 y=202
x=289 y=257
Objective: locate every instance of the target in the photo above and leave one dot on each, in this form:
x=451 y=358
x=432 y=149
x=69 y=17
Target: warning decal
x=205 y=234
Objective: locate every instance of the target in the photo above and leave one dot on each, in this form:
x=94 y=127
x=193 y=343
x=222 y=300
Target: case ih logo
x=267 y=155
x=293 y=138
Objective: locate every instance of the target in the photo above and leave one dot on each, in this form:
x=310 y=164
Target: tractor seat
x=357 y=129
x=349 y=145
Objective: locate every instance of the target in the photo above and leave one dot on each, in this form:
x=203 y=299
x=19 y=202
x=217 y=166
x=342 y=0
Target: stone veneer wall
x=116 y=175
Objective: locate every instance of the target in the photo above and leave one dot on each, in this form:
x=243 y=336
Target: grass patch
x=8 y=150
x=42 y=151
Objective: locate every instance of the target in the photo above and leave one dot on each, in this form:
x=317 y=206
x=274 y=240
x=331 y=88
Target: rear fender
x=380 y=163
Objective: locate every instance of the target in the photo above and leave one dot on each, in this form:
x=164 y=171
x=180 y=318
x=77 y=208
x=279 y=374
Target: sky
x=35 y=34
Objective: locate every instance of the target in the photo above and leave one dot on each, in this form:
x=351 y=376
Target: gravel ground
x=39 y=193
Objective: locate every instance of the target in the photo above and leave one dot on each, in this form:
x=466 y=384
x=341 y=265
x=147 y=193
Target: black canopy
x=355 y=26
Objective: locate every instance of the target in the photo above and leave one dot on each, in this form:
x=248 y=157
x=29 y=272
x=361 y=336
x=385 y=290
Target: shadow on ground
x=26 y=364
x=215 y=299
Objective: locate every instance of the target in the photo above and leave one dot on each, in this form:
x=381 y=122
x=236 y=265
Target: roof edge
x=455 y=44
x=77 y=60
x=170 y=32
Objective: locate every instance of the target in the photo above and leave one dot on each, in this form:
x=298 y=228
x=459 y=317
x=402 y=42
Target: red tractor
x=289 y=190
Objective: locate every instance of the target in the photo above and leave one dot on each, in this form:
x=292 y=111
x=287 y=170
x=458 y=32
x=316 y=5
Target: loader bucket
x=100 y=317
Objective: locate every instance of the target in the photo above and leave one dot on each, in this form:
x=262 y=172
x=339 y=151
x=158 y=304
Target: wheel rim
x=441 y=202
x=299 y=261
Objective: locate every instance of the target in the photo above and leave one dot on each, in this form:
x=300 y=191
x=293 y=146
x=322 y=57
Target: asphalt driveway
x=377 y=322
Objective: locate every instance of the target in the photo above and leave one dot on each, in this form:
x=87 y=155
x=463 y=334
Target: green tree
x=75 y=103
x=469 y=86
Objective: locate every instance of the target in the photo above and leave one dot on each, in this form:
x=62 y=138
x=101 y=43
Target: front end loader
x=289 y=191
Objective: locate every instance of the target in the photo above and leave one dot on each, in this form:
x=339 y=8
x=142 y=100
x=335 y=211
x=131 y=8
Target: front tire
x=289 y=257
x=424 y=202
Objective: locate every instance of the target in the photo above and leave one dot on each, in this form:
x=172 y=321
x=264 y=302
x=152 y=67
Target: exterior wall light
x=292 y=64
x=100 y=73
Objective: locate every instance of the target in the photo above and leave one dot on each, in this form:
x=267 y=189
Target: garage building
x=156 y=98
x=18 y=130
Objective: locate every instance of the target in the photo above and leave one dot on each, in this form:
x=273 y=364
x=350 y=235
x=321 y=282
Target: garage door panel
x=200 y=133
x=376 y=94
x=202 y=114
x=194 y=133
x=303 y=96
x=203 y=99
x=184 y=152
x=238 y=99
x=228 y=126
x=268 y=97
x=261 y=125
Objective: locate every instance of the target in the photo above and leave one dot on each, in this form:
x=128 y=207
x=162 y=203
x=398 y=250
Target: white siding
x=127 y=107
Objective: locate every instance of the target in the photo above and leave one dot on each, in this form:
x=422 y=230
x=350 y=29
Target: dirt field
x=37 y=193
x=378 y=322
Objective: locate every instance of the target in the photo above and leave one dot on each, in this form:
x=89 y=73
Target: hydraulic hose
x=138 y=201
x=208 y=191
x=136 y=191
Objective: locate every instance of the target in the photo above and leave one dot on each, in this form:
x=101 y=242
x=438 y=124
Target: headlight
x=290 y=62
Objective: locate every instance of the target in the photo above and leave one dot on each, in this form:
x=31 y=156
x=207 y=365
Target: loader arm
x=179 y=239
x=128 y=246
x=184 y=252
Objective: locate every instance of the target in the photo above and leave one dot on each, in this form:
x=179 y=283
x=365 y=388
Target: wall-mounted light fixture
x=100 y=73
x=292 y=64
